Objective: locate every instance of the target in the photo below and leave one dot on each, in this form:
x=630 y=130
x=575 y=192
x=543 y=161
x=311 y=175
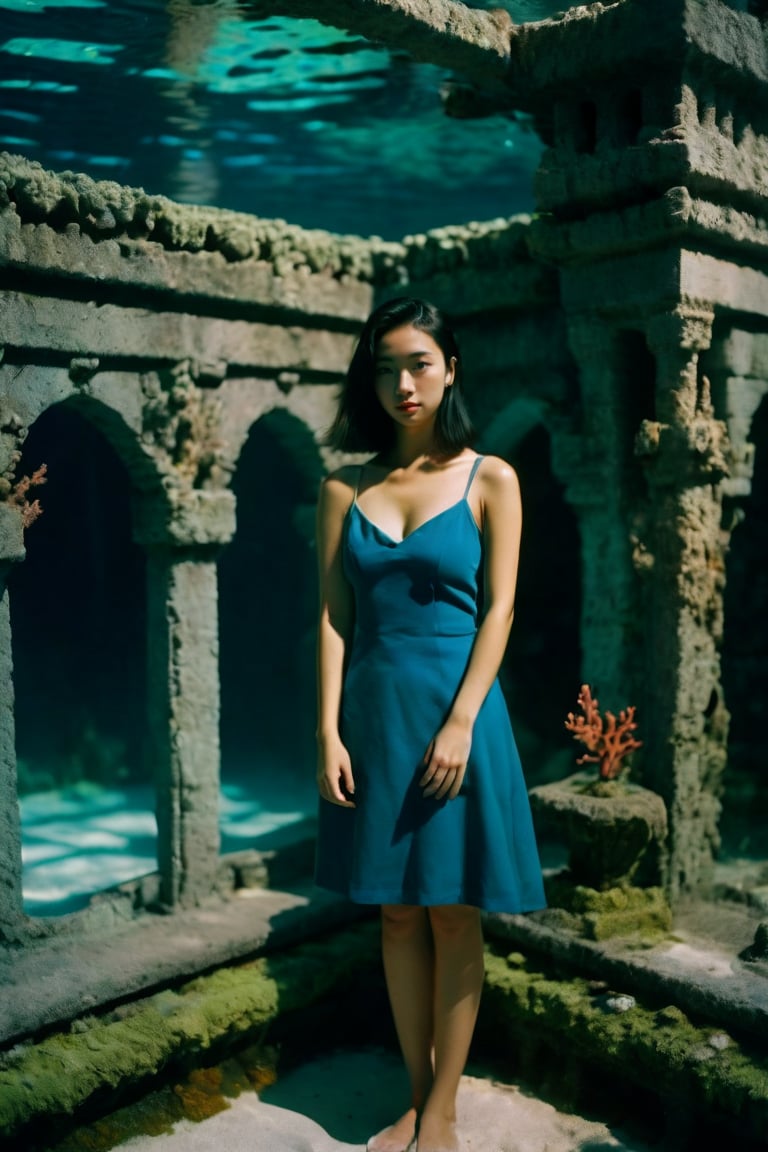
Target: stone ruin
x=625 y=324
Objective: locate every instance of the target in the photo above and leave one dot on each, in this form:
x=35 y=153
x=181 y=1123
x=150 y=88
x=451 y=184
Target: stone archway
x=267 y=610
x=78 y=619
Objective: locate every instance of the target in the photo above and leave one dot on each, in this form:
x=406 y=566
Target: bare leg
x=459 y=969
x=408 y=966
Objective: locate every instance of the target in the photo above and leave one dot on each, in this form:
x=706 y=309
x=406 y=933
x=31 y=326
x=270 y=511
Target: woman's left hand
x=446 y=760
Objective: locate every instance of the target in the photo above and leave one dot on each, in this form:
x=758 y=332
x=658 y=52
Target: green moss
x=660 y=1050
x=60 y=1074
x=620 y=911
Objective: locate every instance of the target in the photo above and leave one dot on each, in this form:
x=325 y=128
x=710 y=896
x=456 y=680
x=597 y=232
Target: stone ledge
x=152 y=246
x=553 y=55
x=203 y=281
x=690 y=967
x=51 y=982
x=100 y=1058
x=76 y=206
x=674 y=218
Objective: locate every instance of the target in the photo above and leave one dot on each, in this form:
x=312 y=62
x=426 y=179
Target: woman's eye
x=422 y=364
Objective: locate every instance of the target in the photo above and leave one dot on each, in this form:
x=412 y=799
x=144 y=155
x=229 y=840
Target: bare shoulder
x=498 y=480
x=337 y=489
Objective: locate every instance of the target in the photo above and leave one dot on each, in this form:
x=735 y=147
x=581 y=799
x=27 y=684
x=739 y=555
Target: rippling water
x=280 y=117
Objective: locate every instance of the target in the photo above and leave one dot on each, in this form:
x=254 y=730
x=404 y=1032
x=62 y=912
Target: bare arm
x=446 y=756
x=336 y=618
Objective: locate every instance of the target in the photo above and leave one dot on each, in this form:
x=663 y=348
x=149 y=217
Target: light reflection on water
x=83 y=839
x=365 y=124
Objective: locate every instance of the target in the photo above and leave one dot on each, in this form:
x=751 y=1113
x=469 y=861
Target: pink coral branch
x=607 y=741
x=18 y=495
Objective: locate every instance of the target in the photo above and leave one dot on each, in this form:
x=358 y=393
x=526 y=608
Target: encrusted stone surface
x=607 y=834
x=658 y=1050
x=66 y=1071
x=75 y=206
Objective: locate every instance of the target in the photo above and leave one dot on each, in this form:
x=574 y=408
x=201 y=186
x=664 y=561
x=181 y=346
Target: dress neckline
x=424 y=523
x=456 y=504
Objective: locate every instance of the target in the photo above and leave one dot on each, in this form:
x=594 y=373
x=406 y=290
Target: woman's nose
x=404 y=383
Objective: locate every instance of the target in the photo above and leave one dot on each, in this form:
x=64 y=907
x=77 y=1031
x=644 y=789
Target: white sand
x=334 y=1103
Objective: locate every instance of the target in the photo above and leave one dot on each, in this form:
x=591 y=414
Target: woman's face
x=411 y=375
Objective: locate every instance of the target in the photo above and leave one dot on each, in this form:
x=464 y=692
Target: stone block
x=608 y=825
x=11 y=533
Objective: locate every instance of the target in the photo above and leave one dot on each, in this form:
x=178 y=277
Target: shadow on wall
x=267 y=608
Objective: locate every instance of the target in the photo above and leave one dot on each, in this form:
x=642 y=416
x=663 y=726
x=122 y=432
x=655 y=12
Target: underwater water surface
x=283 y=118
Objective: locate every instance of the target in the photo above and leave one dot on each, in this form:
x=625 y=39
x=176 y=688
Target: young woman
x=423 y=805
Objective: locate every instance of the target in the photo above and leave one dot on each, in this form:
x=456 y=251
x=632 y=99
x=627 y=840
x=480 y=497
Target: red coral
x=18 y=495
x=607 y=741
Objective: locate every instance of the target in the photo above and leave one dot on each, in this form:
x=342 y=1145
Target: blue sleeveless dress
x=416 y=611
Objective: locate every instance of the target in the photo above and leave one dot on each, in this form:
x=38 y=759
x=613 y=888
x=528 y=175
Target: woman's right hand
x=334 y=773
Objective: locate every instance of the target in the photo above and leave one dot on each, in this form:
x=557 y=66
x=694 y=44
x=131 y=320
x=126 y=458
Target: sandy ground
x=335 y=1103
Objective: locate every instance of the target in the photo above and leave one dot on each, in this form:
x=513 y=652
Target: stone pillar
x=591 y=458
x=685 y=722
x=11 y=913
x=183 y=684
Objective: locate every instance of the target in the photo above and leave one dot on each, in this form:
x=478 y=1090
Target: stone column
x=183 y=684
x=591 y=458
x=685 y=722
x=11 y=913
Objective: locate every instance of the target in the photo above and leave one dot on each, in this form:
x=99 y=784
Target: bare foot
x=398 y=1137
x=437 y=1134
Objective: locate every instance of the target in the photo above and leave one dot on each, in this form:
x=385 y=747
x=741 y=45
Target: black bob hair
x=361 y=424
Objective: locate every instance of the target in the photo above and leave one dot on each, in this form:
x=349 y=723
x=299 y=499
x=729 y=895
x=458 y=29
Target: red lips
x=407 y=407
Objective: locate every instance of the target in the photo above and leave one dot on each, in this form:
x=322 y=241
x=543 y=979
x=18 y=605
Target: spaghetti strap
x=473 y=469
x=358 y=482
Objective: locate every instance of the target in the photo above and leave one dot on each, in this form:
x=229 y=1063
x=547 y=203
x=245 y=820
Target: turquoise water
x=81 y=840
x=282 y=117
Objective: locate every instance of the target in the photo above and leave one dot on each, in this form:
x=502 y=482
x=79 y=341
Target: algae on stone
x=63 y=1072
x=660 y=1050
